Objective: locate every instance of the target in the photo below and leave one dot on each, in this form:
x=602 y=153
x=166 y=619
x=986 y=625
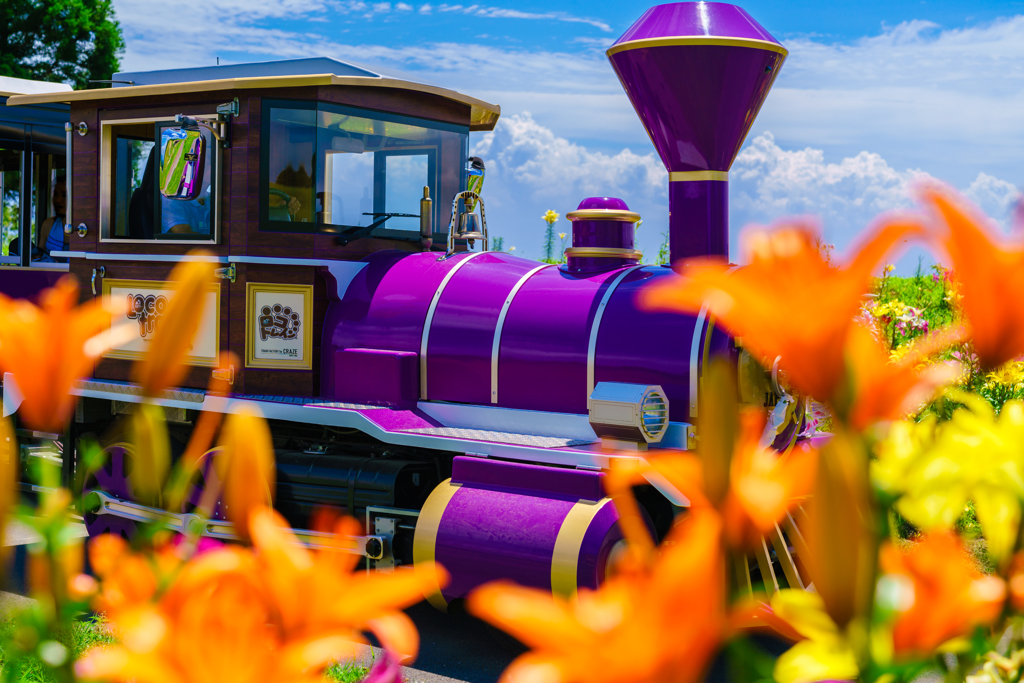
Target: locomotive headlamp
x=628 y=415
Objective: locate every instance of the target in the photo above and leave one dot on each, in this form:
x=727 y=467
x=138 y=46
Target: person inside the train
x=176 y=216
x=51 y=232
x=193 y=216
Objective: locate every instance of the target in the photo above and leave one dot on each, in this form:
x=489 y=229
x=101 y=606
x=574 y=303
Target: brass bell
x=469 y=228
x=465 y=223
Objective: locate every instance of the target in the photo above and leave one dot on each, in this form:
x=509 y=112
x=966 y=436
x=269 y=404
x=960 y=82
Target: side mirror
x=182 y=160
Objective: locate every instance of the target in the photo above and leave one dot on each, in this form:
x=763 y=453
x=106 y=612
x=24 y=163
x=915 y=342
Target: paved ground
x=453 y=648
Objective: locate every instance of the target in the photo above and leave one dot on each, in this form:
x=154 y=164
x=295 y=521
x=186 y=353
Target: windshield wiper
x=350 y=233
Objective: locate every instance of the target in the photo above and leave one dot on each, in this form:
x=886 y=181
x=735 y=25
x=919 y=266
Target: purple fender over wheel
x=113 y=478
x=544 y=527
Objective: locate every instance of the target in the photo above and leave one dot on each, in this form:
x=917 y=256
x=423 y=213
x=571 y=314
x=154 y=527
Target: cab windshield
x=355 y=172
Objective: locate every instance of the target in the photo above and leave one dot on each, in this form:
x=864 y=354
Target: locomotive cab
x=293 y=170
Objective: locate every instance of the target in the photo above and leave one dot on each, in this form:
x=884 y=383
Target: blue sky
x=873 y=95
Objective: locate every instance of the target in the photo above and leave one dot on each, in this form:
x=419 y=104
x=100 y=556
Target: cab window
x=355 y=172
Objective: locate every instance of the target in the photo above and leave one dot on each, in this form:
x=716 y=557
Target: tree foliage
x=73 y=41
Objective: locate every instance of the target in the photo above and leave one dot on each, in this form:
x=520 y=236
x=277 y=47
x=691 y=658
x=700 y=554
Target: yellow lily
x=839 y=531
x=826 y=654
x=975 y=456
x=147 y=431
x=9 y=460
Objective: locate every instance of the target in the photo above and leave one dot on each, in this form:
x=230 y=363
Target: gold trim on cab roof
x=483 y=115
x=697 y=40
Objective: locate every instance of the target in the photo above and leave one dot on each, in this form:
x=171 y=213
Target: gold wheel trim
x=424 y=541
x=566 y=555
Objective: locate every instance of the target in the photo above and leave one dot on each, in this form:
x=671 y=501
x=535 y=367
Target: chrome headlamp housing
x=628 y=415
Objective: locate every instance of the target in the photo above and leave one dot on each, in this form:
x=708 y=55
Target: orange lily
x=219 y=632
x=247 y=465
x=45 y=348
x=9 y=459
x=319 y=592
x=762 y=484
x=1016 y=582
x=883 y=389
x=277 y=611
x=629 y=630
x=949 y=596
x=164 y=365
x=202 y=437
x=785 y=267
x=765 y=484
x=990 y=275
x=839 y=532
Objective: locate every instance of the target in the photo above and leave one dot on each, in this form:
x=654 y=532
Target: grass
x=92 y=631
x=85 y=634
x=346 y=672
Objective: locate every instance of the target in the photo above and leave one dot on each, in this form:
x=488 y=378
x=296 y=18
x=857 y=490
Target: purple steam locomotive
x=464 y=402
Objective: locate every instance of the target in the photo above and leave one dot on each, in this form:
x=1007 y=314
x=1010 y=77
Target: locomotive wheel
x=113 y=479
x=778 y=560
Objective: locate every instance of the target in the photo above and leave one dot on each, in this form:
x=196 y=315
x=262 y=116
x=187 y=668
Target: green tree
x=73 y=41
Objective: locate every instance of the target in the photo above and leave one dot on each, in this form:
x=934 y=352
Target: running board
x=196 y=525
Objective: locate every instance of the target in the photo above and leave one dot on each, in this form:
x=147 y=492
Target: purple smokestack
x=697 y=74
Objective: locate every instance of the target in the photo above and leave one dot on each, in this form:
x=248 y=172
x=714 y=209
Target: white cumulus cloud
x=531 y=169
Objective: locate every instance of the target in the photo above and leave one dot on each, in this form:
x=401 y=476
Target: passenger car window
x=131 y=202
x=10 y=192
x=44 y=207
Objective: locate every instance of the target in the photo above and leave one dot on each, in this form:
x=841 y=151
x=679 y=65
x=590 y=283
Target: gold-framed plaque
x=144 y=303
x=278 y=326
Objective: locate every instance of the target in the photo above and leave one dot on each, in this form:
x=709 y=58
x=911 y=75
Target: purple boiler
x=542 y=358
